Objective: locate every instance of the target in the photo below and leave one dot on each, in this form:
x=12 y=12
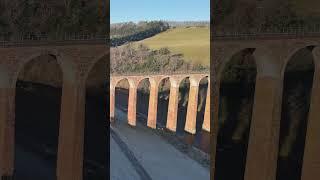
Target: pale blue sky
x=146 y=10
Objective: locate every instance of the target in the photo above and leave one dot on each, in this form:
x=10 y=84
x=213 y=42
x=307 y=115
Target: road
x=157 y=158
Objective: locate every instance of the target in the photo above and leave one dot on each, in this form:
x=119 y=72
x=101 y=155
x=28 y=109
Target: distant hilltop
x=170 y=23
x=188 y=23
x=121 y=33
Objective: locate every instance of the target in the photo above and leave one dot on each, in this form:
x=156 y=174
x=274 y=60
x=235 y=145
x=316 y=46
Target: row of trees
x=140 y=59
x=52 y=16
x=269 y=15
x=188 y=23
x=128 y=32
x=130 y=28
x=121 y=33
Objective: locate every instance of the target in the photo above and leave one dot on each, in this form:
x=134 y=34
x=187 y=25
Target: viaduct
x=271 y=53
x=154 y=80
x=76 y=59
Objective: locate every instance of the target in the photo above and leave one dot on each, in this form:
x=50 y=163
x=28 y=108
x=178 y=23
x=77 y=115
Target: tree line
x=53 y=17
x=127 y=32
x=139 y=59
x=272 y=15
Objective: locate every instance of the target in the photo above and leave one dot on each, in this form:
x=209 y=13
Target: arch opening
x=121 y=101
x=237 y=88
x=96 y=136
x=163 y=102
x=143 y=95
x=184 y=88
x=37 y=110
x=202 y=138
x=297 y=87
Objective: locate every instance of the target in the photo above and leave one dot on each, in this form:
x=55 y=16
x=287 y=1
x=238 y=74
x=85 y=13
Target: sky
x=147 y=10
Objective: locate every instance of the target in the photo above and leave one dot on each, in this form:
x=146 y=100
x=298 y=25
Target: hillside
x=52 y=17
x=192 y=42
x=131 y=58
x=240 y=15
x=122 y=33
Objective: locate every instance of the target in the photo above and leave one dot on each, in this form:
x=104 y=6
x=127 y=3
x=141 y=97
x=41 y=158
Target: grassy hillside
x=192 y=42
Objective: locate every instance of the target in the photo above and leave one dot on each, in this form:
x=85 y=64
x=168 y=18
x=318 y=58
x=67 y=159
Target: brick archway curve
x=99 y=58
x=293 y=51
x=228 y=57
x=66 y=66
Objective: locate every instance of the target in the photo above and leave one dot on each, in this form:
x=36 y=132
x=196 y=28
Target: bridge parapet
x=268 y=33
x=35 y=39
x=206 y=71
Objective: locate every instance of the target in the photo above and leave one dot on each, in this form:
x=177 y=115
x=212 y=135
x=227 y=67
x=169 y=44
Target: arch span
x=236 y=104
x=38 y=97
x=297 y=89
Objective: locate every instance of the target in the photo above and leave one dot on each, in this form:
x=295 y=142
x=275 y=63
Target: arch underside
x=37 y=116
x=237 y=87
x=297 y=89
x=295 y=70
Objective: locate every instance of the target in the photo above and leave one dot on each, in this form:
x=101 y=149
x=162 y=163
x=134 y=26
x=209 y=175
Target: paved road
x=121 y=168
x=159 y=159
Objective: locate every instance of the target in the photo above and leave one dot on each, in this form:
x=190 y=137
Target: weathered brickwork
x=76 y=62
x=155 y=80
x=271 y=57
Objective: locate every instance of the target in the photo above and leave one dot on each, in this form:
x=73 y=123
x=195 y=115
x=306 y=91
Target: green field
x=192 y=42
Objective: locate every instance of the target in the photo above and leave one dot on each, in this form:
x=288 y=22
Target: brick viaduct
x=271 y=54
x=154 y=80
x=76 y=59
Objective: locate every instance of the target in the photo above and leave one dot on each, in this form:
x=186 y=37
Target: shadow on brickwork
x=298 y=80
x=236 y=104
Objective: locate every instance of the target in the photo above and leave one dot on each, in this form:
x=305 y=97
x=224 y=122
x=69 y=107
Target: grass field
x=192 y=42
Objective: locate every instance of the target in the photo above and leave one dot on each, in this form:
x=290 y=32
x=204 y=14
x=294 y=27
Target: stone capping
x=43 y=39
x=264 y=36
x=162 y=73
x=28 y=43
x=289 y=31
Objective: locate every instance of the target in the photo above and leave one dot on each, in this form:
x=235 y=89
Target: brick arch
x=204 y=76
x=195 y=80
x=94 y=62
x=293 y=52
x=162 y=79
x=307 y=102
x=66 y=67
x=130 y=81
x=150 y=80
x=226 y=59
x=181 y=78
